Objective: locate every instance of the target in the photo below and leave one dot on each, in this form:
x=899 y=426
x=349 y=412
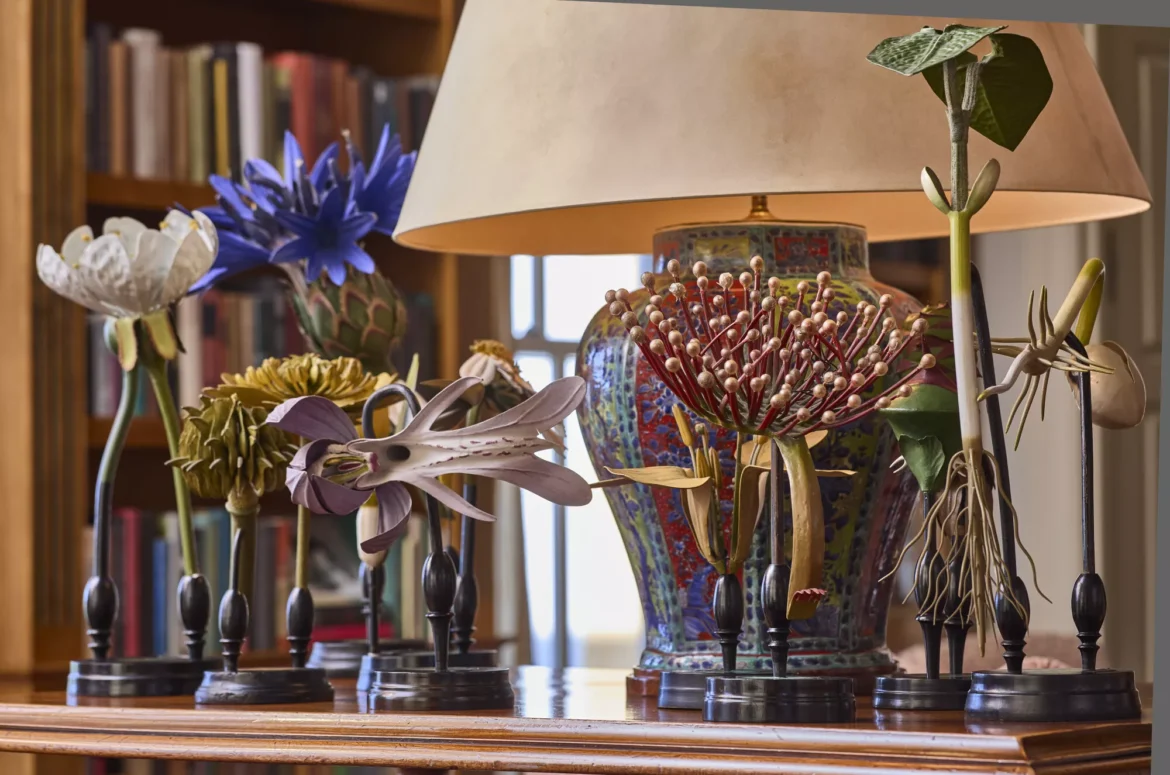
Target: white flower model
x=132 y=273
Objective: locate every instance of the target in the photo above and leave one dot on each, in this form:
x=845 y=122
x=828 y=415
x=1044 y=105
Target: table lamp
x=716 y=135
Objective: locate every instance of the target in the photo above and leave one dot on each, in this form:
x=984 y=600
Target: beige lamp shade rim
x=478 y=235
x=585 y=128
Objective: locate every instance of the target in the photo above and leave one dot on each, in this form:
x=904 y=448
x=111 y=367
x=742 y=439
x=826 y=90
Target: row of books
x=226 y=332
x=183 y=113
x=163 y=767
x=146 y=565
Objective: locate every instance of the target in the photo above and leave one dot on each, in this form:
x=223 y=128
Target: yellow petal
x=162 y=336
x=753 y=485
x=662 y=476
x=815 y=438
x=834 y=473
x=127 y=343
x=697 y=508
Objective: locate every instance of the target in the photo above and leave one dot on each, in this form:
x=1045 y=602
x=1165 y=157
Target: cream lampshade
x=580 y=127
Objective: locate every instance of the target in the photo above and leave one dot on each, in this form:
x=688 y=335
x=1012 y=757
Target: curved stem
x=111 y=455
x=806 y=570
x=244 y=507
x=156 y=368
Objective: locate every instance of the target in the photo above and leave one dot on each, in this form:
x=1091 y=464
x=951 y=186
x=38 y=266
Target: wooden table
x=576 y=720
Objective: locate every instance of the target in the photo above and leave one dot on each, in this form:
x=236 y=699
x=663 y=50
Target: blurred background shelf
x=103 y=190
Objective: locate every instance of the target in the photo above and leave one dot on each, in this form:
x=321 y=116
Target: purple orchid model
x=308 y=222
x=335 y=472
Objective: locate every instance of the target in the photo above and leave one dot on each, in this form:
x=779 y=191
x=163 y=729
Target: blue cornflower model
x=315 y=216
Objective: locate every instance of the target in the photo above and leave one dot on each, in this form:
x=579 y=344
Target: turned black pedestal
x=439 y=685
x=1087 y=694
x=264 y=686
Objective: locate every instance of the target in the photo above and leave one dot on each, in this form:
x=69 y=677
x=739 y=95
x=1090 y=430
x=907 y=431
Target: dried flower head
x=748 y=358
x=341 y=380
x=226 y=451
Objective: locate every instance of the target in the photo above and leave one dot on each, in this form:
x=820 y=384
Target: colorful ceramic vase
x=627 y=423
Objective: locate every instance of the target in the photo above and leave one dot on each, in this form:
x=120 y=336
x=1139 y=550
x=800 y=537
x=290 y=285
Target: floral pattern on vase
x=626 y=421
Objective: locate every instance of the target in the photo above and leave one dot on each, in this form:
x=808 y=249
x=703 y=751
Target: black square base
x=1053 y=695
x=917 y=692
x=343 y=658
x=418 y=660
x=136 y=676
x=264 y=686
x=460 y=688
x=765 y=699
x=687 y=689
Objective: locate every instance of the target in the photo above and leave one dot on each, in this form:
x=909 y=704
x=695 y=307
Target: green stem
x=156 y=368
x=111 y=455
x=302 y=570
x=244 y=508
x=1092 y=302
x=963 y=321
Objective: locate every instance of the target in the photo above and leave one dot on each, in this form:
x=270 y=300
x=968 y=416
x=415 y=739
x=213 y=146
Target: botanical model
x=770 y=362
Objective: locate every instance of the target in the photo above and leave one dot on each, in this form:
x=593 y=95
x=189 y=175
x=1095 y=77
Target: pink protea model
x=743 y=355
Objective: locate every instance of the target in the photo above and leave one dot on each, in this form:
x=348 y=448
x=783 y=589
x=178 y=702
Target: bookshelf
x=52 y=444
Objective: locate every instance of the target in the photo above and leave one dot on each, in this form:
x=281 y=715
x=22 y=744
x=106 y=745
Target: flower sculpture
x=227 y=452
x=309 y=223
x=134 y=275
x=749 y=357
x=337 y=470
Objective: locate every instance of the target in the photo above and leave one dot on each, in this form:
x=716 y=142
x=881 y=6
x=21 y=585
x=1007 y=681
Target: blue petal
x=332 y=207
x=360 y=260
x=335 y=265
x=317 y=264
x=356 y=226
x=219 y=217
x=260 y=172
x=383 y=146
x=231 y=197
x=294 y=250
x=318 y=177
x=298 y=224
x=292 y=158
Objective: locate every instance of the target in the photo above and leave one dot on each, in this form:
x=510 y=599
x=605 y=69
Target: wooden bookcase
x=51 y=446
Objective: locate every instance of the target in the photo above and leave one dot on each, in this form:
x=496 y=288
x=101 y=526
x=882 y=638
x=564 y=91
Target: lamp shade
x=582 y=127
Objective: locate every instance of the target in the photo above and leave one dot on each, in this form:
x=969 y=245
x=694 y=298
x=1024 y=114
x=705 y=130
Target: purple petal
x=542 y=411
x=332 y=498
x=393 y=511
x=422 y=421
x=321 y=166
x=356 y=226
x=540 y=477
x=309 y=454
x=314 y=418
x=452 y=501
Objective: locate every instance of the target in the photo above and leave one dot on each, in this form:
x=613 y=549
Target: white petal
x=152 y=266
x=128 y=230
x=195 y=255
x=479 y=365
x=63 y=280
x=75 y=244
x=104 y=269
x=178 y=225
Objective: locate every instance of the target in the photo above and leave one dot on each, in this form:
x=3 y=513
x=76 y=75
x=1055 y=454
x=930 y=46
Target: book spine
x=98 y=89
x=324 y=131
x=282 y=79
x=118 y=133
x=221 y=120
x=180 y=121
x=302 y=100
x=383 y=110
x=198 y=122
x=250 y=105
x=161 y=589
x=161 y=111
x=143 y=88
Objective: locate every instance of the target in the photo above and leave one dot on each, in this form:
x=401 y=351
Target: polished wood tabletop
x=576 y=720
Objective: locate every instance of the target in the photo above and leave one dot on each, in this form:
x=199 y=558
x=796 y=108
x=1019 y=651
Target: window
x=553 y=298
